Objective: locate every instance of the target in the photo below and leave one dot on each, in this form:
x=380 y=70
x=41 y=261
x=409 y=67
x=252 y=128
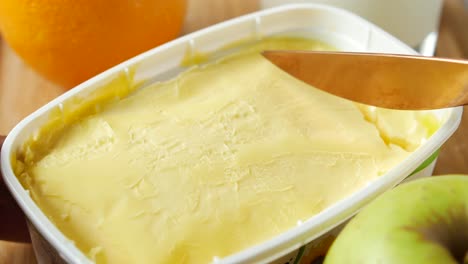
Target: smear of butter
x=221 y=158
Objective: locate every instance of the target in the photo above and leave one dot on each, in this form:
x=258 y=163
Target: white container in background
x=337 y=27
x=415 y=22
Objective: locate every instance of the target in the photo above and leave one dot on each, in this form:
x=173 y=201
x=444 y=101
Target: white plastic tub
x=339 y=28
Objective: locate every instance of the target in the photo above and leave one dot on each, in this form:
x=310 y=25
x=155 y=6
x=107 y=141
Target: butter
x=224 y=157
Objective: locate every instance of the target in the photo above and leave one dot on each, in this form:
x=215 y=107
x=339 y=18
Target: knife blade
x=395 y=81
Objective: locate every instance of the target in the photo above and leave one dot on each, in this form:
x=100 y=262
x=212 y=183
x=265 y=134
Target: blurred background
x=444 y=34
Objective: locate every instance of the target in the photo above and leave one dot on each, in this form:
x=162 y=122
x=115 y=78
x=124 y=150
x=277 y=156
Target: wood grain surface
x=22 y=91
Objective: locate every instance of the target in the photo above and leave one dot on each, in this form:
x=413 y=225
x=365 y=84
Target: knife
x=405 y=82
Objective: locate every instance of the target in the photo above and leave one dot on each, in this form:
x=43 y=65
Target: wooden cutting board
x=22 y=91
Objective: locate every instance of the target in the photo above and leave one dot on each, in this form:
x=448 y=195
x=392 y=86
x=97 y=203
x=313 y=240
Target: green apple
x=423 y=221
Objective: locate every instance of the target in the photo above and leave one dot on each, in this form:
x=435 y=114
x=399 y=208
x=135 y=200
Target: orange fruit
x=69 y=41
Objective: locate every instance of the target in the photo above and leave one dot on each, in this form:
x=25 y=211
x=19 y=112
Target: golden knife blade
x=393 y=81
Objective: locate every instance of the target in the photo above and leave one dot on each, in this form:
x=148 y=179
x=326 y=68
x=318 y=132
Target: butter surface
x=221 y=158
